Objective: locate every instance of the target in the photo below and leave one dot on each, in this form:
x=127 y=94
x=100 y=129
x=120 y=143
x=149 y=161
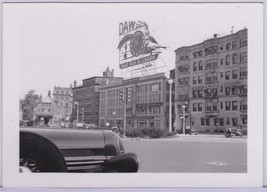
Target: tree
x=30 y=101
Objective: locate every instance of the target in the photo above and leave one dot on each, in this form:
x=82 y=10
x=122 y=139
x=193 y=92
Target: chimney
x=215 y=36
x=75 y=83
x=49 y=93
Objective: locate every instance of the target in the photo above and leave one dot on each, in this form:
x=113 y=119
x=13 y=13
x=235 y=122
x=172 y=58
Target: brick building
x=148 y=105
x=87 y=97
x=211 y=83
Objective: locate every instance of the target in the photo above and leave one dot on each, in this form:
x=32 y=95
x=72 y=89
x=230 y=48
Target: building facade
x=211 y=83
x=47 y=113
x=86 y=98
x=147 y=102
x=63 y=98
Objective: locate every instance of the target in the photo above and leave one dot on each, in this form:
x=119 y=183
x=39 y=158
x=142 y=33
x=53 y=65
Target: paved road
x=201 y=153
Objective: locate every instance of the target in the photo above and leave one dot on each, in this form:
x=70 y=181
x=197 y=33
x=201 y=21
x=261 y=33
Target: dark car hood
x=70 y=138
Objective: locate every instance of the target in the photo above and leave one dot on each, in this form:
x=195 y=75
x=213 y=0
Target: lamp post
x=76 y=103
x=170 y=81
x=82 y=109
x=184 y=119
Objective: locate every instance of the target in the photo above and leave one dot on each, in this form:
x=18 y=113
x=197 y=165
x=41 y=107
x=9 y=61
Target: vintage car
x=72 y=150
x=230 y=132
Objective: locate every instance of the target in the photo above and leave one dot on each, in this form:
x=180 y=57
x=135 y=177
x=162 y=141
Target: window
x=235 y=58
x=234 y=105
x=200 y=107
x=227 y=121
x=216 y=121
x=221 y=105
x=243 y=57
x=202 y=121
x=227 y=90
x=194 y=80
x=221 y=74
x=243 y=42
x=208 y=121
x=227 y=105
x=200 y=65
x=243 y=72
x=195 y=54
x=234 y=44
x=221 y=61
x=195 y=66
x=234 y=74
x=227 y=75
x=227 y=60
x=194 y=94
x=214 y=106
x=243 y=105
x=228 y=46
x=234 y=121
x=194 y=106
x=235 y=90
x=199 y=93
x=244 y=120
x=209 y=106
x=200 y=79
x=221 y=121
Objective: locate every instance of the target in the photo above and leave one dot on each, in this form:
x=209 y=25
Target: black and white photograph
x=133 y=94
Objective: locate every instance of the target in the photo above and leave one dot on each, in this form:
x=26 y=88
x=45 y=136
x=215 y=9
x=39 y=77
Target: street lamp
x=170 y=81
x=76 y=103
x=82 y=109
x=184 y=119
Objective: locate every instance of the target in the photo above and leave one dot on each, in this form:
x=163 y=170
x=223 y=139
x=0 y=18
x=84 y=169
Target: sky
x=57 y=43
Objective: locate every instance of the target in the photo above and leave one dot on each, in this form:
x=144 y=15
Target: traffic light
x=121 y=95
x=129 y=94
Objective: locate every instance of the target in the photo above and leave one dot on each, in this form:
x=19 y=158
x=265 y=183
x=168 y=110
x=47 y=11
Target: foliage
x=28 y=104
x=146 y=132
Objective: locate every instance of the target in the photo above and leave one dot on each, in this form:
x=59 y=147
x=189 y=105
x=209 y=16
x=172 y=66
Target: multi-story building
x=63 y=98
x=86 y=98
x=147 y=102
x=211 y=83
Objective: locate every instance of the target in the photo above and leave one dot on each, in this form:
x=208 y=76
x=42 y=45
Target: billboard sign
x=136 y=45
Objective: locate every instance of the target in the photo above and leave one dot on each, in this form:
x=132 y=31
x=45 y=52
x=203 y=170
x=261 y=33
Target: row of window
x=213 y=106
x=211 y=77
x=149 y=88
x=149 y=110
x=223 y=121
x=149 y=99
x=213 y=63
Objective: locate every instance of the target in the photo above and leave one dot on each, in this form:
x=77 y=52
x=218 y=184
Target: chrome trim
x=86 y=158
x=92 y=167
x=85 y=162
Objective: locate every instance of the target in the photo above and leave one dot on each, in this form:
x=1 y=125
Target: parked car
x=72 y=150
x=190 y=131
x=230 y=132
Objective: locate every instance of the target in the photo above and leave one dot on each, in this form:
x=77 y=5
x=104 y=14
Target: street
x=195 y=154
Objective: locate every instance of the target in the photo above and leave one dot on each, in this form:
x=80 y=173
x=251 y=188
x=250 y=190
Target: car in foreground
x=72 y=150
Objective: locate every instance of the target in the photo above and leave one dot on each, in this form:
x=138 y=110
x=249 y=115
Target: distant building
x=86 y=97
x=47 y=113
x=63 y=98
x=211 y=83
x=147 y=102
